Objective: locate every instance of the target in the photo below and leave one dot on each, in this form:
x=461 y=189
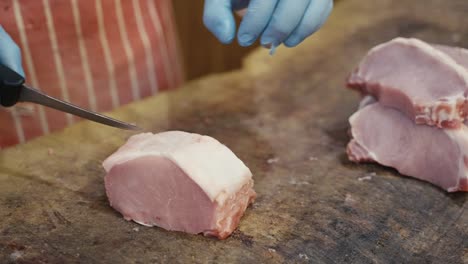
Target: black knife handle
x=11 y=84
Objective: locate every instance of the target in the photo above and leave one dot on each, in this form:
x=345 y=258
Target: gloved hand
x=10 y=54
x=276 y=21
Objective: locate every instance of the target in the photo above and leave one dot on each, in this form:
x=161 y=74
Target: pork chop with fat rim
x=385 y=135
x=428 y=83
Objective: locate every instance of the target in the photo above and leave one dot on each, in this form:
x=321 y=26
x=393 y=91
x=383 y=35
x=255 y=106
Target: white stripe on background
x=57 y=57
x=29 y=63
x=84 y=56
x=147 y=45
x=128 y=50
x=162 y=44
x=107 y=55
x=167 y=16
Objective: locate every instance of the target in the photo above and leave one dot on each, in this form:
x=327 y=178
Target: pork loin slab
x=386 y=136
x=179 y=181
x=423 y=81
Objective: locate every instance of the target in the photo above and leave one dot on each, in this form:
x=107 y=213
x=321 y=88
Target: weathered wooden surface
x=290 y=109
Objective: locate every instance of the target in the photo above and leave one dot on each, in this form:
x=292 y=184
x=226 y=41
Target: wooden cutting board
x=286 y=117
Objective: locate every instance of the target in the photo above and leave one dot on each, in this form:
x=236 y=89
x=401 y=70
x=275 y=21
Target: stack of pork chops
x=413 y=112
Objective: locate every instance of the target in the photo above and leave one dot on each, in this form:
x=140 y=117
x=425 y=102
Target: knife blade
x=32 y=95
x=13 y=90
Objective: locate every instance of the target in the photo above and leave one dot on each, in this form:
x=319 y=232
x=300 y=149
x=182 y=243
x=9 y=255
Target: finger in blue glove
x=219 y=19
x=255 y=20
x=274 y=21
x=315 y=16
x=10 y=54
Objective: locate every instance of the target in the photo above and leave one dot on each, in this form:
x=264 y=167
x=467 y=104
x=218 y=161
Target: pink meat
x=386 y=136
x=459 y=55
x=422 y=81
x=179 y=181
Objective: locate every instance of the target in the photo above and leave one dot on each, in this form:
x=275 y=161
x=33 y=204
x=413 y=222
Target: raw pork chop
x=386 y=136
x=179 y=181
x=422 y=81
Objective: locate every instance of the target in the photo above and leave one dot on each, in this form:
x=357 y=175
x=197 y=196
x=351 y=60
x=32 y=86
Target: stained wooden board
x=286 y=117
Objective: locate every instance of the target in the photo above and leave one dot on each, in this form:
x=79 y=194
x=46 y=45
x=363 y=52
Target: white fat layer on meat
x=461 y=137
x=369 y=100
x=210 y=164
x=143 y=224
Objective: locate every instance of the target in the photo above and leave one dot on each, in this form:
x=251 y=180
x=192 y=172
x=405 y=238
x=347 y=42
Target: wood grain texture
x=202 y=53
x=290 y=109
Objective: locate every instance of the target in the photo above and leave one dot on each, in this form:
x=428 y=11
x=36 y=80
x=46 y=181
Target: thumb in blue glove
x=274 y=21
x=10 y=54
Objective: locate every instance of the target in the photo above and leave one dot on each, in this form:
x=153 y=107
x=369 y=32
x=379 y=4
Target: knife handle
x=11 y=84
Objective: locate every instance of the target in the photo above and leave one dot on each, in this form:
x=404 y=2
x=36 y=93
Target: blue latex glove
x=10 y=54
x=275 y=21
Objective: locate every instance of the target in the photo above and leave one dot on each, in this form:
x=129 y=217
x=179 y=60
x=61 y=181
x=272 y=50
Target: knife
x=13 y=90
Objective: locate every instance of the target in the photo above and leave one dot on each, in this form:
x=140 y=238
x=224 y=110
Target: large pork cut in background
x=386 y=136
x=179 y=181
x=428 y=83
x=414 y=115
